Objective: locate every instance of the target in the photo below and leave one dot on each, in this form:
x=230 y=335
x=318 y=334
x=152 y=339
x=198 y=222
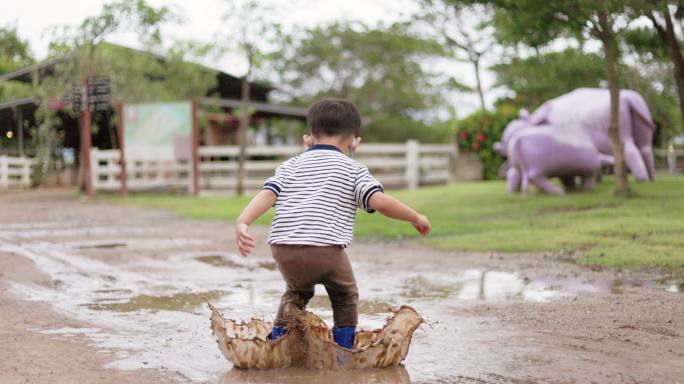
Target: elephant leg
x=589 y=181
x=513 y=180
x=647 y=155
x=546 y=186
x=635 y=163
x=568 y=182
x=606 y=160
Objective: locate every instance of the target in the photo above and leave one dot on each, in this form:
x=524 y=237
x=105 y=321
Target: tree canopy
x=538 y=78
x=379 y=69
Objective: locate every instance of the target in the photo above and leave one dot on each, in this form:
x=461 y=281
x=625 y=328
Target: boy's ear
x=355 y=143
x=308 y=141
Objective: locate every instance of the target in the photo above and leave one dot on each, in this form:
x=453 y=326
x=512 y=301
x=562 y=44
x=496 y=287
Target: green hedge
x=477 y=133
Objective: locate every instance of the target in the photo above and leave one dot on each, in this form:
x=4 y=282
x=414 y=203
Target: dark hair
x=333 y=117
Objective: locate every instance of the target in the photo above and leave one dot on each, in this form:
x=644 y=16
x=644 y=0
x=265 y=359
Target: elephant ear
x=540 y=116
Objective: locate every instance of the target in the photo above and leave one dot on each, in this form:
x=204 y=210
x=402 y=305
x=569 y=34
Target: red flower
x=481 y=137
x=475 y=146
x=463 y=134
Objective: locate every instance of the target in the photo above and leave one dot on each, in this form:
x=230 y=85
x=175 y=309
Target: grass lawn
x=646 y=230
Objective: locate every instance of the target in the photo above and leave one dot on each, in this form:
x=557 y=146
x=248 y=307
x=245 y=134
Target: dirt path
x=92 y=292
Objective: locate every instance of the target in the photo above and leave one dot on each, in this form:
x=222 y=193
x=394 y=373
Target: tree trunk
x=677 y=60
x=242 y=138
x=608 y=39
x=480 y=92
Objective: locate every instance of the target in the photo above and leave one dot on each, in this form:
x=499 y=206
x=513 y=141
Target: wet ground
x=130 y=285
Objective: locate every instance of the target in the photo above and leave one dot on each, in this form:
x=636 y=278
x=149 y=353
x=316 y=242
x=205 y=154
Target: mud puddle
x=177 y=302
x=151 y=311
x=223 y=261
x=672 y=284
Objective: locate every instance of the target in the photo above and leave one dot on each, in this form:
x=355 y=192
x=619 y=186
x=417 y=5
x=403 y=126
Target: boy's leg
x=344 y=297
x=293 y=300
x=301 y=270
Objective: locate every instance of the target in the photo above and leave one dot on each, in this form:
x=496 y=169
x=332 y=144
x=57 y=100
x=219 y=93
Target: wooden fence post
x=25 y=180
x=412 y=164
x=94 y=169
x=195 y=150
x=453 y=163
x=4 y=172
x=123 y=188
x=671 y=160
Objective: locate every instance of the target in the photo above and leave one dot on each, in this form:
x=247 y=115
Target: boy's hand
x=422 y=225
x=244 y=240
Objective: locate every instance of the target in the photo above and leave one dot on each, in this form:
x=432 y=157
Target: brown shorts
x=304 y=266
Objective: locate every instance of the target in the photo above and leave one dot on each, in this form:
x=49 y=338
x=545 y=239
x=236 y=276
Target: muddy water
x=672 y=284
x=151 y=310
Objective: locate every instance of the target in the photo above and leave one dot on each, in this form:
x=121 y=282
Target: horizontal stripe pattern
x=318 y=193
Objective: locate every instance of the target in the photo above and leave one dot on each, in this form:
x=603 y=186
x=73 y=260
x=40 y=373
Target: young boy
x=316 y=195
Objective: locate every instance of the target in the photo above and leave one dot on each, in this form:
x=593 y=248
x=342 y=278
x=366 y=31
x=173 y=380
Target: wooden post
x=20 y=130
x=4 y=172
x=671 y=159
x=453 y=161
x=412 y=164
x=195 y=150
x=122 y=152
x=25 y=181
x=242 y=137
x=86 y=141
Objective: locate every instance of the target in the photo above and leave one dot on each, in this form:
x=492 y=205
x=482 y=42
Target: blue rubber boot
x=277 y=332
x=344 y=336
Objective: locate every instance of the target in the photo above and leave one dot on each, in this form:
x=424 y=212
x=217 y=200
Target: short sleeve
x=276 y=182
x=365 y=185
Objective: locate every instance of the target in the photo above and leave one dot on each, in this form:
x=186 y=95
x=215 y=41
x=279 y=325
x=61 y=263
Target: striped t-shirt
x=318 y=193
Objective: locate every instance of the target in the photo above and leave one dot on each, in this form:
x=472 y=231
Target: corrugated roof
x=18 y=102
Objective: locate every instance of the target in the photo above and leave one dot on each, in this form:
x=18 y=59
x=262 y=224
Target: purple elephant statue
x=588 y=110
x=568 y=137
x=538 y=152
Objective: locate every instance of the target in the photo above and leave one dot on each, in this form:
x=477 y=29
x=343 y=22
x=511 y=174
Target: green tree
x=379 y=69
x=538 y=23
x=450 y=22
x=79 y=45
x=249 y=28
x=14 y=51
x=660 y=44
x=538 y=78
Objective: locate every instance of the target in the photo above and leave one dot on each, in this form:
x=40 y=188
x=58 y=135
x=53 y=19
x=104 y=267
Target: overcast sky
x=202 y=21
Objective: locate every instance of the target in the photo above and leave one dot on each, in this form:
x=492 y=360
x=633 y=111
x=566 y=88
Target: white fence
x=15 y=172
x=671 y=159
x=396 y=165
x=142 y=173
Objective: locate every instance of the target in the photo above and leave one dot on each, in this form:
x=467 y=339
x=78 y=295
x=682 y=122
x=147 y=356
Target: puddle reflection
x=221 y=261
x=176 y=302
x=674 y=285
x=477 y=285
x=300 y=375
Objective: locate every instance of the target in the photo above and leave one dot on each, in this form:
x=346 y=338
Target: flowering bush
x=477 y=133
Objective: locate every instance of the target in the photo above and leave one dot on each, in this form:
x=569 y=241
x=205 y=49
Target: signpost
x=85 y=141
x=95 y=94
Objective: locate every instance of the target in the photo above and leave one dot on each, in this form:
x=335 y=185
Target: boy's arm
x=261 y=203
x=395 y=209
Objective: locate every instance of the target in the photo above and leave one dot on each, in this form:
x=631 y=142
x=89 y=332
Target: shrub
x=477 y=133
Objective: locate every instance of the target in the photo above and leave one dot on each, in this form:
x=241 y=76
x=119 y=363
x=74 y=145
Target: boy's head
x=333 y=117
